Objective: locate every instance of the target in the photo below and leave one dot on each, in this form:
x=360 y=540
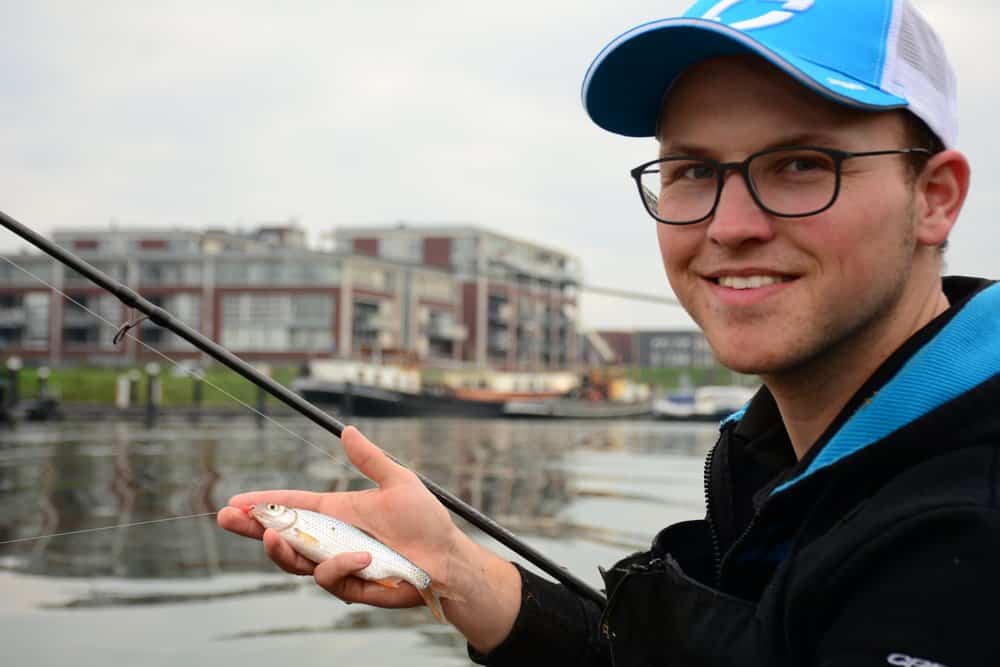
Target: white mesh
x=917 y=69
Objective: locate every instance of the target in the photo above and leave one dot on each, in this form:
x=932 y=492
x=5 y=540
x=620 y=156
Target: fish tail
x=433 y=602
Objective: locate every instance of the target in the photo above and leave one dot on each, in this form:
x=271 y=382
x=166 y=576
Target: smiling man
x=806 y=184
x=820 y=261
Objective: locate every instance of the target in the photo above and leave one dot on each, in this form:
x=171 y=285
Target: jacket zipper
x=716 y=547
x=717 y=559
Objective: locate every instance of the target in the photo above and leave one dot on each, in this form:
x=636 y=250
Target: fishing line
x=120 y=525
x=191 y=373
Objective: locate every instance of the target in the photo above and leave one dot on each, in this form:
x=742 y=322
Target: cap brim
x=625 y=85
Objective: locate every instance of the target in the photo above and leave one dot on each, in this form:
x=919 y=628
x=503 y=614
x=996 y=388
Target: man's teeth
x=748 y=282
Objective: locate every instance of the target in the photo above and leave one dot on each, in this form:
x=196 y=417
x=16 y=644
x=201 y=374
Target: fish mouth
x=287 y=518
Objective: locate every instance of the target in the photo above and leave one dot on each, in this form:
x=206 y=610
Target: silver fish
x=319 y=537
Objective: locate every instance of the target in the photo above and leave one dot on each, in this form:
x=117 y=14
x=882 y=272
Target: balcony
x=12 y=317
x=78 y=318
x=500 y=314
x=447 y=330
x=498 y=344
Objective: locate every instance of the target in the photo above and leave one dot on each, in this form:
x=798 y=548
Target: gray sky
x=194 y=113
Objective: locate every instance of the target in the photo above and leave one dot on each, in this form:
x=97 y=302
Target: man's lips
x=747 y=286
x=747 y=277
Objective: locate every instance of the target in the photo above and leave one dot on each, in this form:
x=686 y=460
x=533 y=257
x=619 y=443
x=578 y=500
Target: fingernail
x=361 y=559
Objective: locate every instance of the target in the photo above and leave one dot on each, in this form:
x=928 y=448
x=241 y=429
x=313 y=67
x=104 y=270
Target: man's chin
x=739 y=361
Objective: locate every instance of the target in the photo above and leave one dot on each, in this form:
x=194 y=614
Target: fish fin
x=388 y=582
x=433 y=603
x=305 y=537
x=442 y=591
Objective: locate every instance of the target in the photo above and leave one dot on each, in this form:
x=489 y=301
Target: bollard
x=197 y=390
x=262 y=397
x=347 y=400
x=134 y=376
x=153 y=394
x=13 y=372
x=123 y=392
x=43 y=382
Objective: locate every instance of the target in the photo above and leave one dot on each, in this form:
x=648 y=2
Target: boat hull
x=363 y=401
x=568 y=408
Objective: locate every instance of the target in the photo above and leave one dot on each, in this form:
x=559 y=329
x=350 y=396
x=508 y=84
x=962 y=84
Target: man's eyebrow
x=823 y=139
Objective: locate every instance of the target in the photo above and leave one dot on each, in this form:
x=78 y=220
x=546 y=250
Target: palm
x=405 y=517
x=400 y=513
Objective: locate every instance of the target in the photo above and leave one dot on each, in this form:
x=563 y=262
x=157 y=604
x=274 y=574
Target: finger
x=306 y=500
x=371 y=460
x=336 y=575
x=284 y=556
x=333 y=573
x=237 y=521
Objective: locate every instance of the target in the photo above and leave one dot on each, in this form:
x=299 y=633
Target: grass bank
x=85 y=384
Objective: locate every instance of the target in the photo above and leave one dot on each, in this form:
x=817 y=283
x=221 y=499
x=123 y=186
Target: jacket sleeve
x=554 y=627
x=925 y=595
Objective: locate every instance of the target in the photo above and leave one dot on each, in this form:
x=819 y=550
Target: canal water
x=186 y=592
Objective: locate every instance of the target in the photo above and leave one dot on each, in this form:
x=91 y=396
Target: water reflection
x=571 y=484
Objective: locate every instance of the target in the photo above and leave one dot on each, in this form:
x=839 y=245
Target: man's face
x=840 y=274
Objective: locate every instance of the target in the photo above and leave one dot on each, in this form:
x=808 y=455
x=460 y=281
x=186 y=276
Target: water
x=187 y=592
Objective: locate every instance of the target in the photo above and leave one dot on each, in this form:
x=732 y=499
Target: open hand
x=401 y=513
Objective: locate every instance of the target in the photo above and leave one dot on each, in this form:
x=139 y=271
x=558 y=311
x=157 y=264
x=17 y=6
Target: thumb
x=372 y=461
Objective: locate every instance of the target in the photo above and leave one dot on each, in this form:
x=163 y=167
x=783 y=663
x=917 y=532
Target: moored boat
x=605 y=394
x=577 y=408
x=707 y=404
x=368 y=389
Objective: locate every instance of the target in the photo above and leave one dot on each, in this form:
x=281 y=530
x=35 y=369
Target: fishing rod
x=164 y=319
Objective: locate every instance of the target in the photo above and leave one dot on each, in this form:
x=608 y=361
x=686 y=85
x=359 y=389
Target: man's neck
x=811 y=396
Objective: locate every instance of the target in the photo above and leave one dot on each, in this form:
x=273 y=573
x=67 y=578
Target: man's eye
x=687 y=172
x=698 y=172
x=802 y=165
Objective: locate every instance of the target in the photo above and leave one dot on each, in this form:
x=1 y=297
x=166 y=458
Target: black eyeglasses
x=789 y=182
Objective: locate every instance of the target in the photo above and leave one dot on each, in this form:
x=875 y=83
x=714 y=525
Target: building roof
x=451 y=230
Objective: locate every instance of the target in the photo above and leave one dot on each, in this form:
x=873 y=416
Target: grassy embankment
x=672 y=378
x=97 y=385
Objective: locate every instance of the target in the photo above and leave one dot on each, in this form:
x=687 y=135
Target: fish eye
x=272 y=507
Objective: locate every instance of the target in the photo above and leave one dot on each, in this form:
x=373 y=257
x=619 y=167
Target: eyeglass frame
x=743 y=168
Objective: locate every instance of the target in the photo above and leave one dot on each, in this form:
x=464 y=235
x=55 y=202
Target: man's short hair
x=919 y=135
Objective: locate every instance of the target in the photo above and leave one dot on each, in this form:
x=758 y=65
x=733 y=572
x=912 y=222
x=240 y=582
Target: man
x=806 y=185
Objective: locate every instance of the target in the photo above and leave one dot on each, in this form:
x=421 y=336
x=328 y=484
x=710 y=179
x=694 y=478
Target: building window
x=278 y=322
x=89 y=321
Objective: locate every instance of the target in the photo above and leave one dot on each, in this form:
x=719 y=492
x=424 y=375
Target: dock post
x=153 y=393
x=134 y=377
x=347 y=400
x=13 y=373
x=262 y=397
x=197 y=378
x=43 y=382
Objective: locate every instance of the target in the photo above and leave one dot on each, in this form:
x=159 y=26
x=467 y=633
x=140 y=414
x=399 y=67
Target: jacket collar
x=956 y=352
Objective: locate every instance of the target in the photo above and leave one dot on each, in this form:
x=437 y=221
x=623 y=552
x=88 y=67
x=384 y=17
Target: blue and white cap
x=866 y=54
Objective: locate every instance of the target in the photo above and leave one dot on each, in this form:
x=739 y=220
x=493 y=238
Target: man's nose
x=738 y=219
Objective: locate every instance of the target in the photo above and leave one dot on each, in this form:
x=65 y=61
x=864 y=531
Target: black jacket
x=880 y=547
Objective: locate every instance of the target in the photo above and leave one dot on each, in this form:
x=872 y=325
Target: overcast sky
x=195 y=113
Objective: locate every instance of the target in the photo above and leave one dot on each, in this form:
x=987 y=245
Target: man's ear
x=941 y=189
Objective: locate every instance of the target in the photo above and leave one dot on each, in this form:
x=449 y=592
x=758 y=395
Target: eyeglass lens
x=787 y=182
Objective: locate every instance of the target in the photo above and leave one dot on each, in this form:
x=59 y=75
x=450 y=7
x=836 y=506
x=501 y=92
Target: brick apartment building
x=265 y=295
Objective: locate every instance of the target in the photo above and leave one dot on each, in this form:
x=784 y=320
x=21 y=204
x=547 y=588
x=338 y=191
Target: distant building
x=448 y=295
x=518 y=299
x=685 y=348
